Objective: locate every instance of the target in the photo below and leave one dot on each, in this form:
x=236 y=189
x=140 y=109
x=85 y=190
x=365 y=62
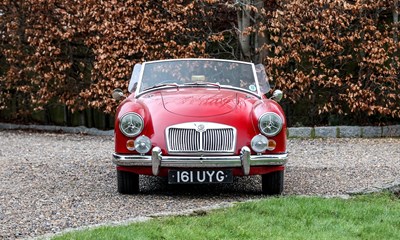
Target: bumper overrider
x=245 y=160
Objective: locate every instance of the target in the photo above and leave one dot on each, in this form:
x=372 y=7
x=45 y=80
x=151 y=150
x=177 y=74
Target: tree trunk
x=251 y=43
x=244 y=23
x=259 y=38
x=396 y=20
x=396 y=31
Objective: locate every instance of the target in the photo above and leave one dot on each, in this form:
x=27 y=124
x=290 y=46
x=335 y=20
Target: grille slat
x=215 y=138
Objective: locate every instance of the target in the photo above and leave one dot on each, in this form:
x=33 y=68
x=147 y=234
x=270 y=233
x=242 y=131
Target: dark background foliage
x=337 y=61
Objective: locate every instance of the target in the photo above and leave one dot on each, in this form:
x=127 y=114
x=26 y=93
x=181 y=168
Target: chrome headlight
x=270 y=124
x=259 y=143
x=131 y=124
x=142 y=144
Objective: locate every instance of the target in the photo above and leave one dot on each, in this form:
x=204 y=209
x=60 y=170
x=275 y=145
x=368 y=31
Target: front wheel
x=128 y=183
x=272 y=183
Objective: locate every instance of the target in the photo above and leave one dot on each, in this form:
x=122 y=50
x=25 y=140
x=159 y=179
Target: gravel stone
x=50 y=182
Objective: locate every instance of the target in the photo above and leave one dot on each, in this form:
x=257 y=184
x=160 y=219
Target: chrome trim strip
x=156 y=160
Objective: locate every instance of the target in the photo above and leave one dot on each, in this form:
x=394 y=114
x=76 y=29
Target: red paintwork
x=166 y=107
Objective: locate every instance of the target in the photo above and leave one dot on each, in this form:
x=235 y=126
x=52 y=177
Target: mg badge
x=200 y=128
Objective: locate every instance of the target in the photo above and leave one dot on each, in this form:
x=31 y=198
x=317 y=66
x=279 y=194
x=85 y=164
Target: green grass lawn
x=374 y=216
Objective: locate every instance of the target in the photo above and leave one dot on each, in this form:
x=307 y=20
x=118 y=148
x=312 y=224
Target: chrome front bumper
x=156 y=160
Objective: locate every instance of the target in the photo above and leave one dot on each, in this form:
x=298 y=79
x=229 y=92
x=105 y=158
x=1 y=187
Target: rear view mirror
x=117 y=94
x=277 y=95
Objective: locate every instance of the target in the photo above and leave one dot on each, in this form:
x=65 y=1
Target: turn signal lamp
x=130 y=145
x=271 y=145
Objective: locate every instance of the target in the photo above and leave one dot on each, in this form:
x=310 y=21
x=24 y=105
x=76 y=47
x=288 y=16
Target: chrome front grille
x=184 y=140
x=201 y=137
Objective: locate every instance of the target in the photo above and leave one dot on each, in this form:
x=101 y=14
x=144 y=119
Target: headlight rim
x=130 y=134
x=253 y=141
x=276 y=132
x=143 y=139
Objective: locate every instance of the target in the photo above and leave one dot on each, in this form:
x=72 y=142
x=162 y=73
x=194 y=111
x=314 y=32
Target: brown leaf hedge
x=337 y=61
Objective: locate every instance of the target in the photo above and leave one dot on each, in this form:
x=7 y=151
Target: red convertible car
x=199 y=121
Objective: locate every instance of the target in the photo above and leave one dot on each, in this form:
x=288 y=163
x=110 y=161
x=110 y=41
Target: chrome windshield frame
x=139 y=93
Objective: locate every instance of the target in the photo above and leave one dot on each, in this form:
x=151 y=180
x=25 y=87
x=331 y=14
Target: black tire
x=128 y=183
x=272 y=183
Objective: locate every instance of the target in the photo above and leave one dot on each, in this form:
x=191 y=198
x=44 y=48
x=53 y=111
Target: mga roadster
x=197 y=121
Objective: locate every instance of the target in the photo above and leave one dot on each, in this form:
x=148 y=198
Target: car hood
x=200 y=103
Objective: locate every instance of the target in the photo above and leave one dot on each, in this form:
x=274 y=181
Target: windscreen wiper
x=202 y=83
x=163 y=85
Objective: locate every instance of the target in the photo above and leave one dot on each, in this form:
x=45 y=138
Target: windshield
x=199 y=72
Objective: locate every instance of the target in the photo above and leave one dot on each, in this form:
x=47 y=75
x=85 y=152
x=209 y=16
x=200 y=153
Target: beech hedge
x=337 y=61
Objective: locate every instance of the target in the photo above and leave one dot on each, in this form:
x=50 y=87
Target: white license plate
x=200 y=176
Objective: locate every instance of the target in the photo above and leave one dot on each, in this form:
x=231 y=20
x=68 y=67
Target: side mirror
x=117 y=94
x=277 y=95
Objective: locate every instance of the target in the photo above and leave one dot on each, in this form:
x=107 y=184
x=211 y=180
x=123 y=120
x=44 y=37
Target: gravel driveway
x=50 y=182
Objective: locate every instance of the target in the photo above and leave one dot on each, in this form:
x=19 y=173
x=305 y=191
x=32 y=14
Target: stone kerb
x=326 y=132
x=344 y=132
x=349 y=131
x=300 y=132
x=371 y=132
x=391 y=131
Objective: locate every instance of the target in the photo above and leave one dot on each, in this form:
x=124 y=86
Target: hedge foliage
x=334 y=59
